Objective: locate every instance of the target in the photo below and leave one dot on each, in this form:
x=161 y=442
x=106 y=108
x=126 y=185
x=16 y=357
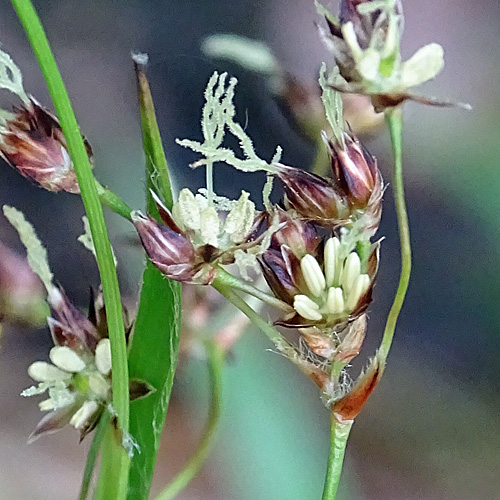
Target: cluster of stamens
x=335 y=290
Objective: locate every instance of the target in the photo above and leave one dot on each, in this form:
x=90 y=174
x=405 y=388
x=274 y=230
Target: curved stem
x=339 y=432
x=395 y=122
x=233 y=282
x=192 y=467
x=40 y=45
x=113 y=201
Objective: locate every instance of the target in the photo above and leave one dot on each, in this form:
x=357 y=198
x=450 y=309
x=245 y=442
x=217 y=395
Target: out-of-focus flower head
x=22 y=297
x=365 y=41
x=31 y=138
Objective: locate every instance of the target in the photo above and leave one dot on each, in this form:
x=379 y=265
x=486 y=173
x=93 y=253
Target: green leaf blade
x=153 y=358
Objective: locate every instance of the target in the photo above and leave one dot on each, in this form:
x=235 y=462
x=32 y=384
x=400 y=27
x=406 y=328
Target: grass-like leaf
x=153 y=352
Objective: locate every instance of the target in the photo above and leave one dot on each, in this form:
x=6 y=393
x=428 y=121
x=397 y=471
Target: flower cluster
x=365 y=41
x=78 y=379
x=314 y=251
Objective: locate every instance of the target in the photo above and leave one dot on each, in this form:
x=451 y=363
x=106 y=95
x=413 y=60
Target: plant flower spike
x=311 y=260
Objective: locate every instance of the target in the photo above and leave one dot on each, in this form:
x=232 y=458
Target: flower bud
x=312 y=196
x=33 y=142
x=169 y=250
x=278 y=270
x=69 y=326
x=355 y=170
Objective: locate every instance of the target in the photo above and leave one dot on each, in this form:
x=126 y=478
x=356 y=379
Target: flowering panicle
x=314 y=252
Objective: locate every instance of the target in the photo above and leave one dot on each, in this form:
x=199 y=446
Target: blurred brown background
x=432 y=429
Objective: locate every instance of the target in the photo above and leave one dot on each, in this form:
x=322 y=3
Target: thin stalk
x=113 y=201
x=251 y=314
x=395 y=122
x=237 y=284
x=215 y=364
x=40 y=45
x=99 y=434
x=339 y=432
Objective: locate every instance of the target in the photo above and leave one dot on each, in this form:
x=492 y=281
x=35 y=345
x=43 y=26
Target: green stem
x=194 y=464
x=221 y=286
x=395 y=122
x=339 y=432
x=113 y=201
x=38 y=40
x=233 y=282
x=99 y=434
x=113 y=463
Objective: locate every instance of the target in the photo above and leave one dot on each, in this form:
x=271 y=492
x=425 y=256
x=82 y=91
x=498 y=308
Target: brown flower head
x=32 y=141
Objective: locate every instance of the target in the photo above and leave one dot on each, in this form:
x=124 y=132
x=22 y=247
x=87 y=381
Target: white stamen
x=189 y=210
x=359 y=287
x=103 y=356
x=352 y=269
x=81 y=417
x=307 y=308
x=99 y=385
x=240 y=219
x=335 y=300
x=331 y=249
x=306 y=300
x=66 y=359
x=210 y=226
x=313 y=275
x=45 y=372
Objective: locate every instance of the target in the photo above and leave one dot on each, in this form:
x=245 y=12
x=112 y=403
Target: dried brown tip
x=349 y=406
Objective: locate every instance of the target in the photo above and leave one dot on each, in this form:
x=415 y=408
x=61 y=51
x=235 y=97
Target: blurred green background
x=432 y=429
